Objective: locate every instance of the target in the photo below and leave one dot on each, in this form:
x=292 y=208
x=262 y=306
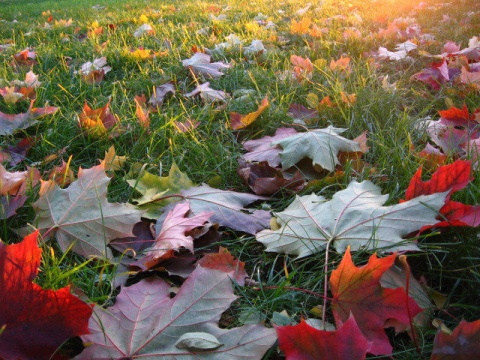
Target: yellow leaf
x=239 y=121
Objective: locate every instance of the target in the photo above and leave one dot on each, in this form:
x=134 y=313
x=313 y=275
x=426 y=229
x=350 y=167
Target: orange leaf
x=97 y=122
x=142 y=111
x=357 y=291
x=239 y=121
x=300 y=27
x=342 y=64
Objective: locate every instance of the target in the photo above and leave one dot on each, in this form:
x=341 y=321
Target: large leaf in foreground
x=146 y=322
x=357 y=291
x=82 y=215
x=354 y=217
x=304 y=342
x=36 y=321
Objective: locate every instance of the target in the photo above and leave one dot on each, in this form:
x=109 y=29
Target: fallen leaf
x=208 y=94
x=146 y=321
x=173 y=235
x=157 y=192
x=142 y=111
x=224 y=261
x=304 y=342
x=227 y=208
x=94 y=72
x=35 y=321
x=263 y=150
x=354 y=217
x=112 y=161
x=186 y=126
x=265 y=180
x=239 y=121
x=97 y=122
x=200 y=64
x=160 y=92
x=320 y=145
x=448 y=178
x=82 y=216
x=462 y=344
x=9 y=123
x=357 y=291
x=300 y=27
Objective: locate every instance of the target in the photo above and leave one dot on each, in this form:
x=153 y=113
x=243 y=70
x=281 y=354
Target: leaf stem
x=403 y=261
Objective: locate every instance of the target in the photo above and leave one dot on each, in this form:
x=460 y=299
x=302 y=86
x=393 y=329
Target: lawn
x=221 y=180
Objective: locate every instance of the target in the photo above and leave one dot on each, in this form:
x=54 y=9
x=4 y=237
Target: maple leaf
x=97 y=122
x=302 y=67
x=263 y=150
x=25 y=58
x=160 y=92
x=35 y=321
x=173 y=235
x=144 y=29
x=82 y=216
x=200 y=64
x=112 y=161
x=462 y=344
x=94 y=72
x=301 y=114
x=239 y=121
x=9 y=123
x=341 y=65
x=208 y=94
x=266 y=180
x=300 y=27
x=142 y=111
x=227 y=208
x=354 y=217
x=450 y=178
x=320 y=145
x=146 y=321
x=157 y=192
x=357 y=291
x=15 y=154
x=13 y=183
x=224 y=261
x=185 y=126
x=304 y=342
x=62 y=175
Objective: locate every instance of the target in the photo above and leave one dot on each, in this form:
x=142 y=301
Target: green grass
x=449 y=263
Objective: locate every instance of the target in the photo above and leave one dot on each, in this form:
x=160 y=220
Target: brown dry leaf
x=239 y=121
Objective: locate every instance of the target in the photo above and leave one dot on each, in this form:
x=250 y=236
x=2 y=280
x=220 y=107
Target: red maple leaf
x=452 y=177
x=357 y=291
x=304 y=342
x=462 y=344
x=35 y=321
